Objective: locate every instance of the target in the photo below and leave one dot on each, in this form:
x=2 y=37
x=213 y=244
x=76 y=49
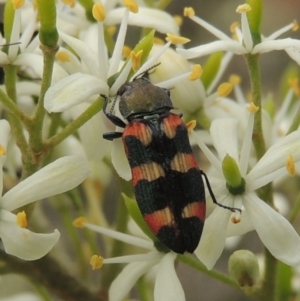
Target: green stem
x=50 y=274
x=15 y=122
x=72 y=127
x=268 y=289
x=35 y=131
x=197 y=265
x=254 y=73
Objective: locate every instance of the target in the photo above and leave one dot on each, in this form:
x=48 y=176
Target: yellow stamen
x=2 y=151
x=21 y=219
x=62 y=56
x=225 y=89
x=290 y=165
x=71 y=3
x=176 y=39
x=252 y=108
x=191 y=125
x=178 y=20
x=136 y=59
x=295 y=26
x=235 y=79
x=294 y=83
x=96 y=262
x=188 y=12
x=244 y=8
x=131 y=5
x=126 y=51
x=158 y=41
x=233 y=26
x=79 y=222
x=99 y=12
x=111 y=30
x=196 y=72
x=235 y=220
x=18 y=3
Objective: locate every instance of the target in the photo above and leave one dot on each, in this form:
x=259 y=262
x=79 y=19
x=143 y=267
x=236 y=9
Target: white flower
x=244 y=43
x=57 y=177
x=274 y=230
x=167 y=285
x=27 y=54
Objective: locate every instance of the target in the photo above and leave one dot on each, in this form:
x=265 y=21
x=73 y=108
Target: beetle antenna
x=232 y=209
x=146 y=72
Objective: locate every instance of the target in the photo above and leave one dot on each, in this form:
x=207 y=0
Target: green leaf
x=254 y=19
x=211 y=68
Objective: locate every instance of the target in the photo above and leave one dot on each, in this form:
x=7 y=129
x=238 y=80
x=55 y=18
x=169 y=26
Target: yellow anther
x=96 y=262
x=234 y=26
x=136 y=59
x=225 y=89
x=99 y=12
x=34 y=4
x=290 y=165
x=62 y=56
x=295 y=26
x=191 y=125
x=21 y=219
x=235 y=220
x=178 y=20
x=196 y=72
x=126 y=51
x=158 y=41
x=252 y=108
x=188 y=12
x=111 y=30
x=235 y=79
x=18 y=3
x=131 y=5
x=70 y=3
x=2 y=151
x=176 y=39
x=79 y=222
x=294 y=83
x=244 y=8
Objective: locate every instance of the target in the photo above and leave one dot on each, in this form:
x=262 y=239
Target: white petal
x=167 y=285
x=232 y=46
x=213 y=237
x=122 y=285
x=4 y=133
x=119 y=160
x=72 y=90
x=35 y=62
x=294 y=54
x=225 y=138
x=274 y=160
x=25 y=244
x=146 y=17
x=281 y=44
x=4 y=60
x=59 y=176
x=86 y=54
x=276 y=233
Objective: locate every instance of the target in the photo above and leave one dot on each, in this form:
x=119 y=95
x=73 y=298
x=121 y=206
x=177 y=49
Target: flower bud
x=234 y=181
x=243 y=267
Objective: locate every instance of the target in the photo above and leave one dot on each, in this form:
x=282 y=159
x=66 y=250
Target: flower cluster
x=63 y=62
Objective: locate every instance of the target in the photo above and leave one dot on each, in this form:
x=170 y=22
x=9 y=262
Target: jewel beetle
x=167 y=181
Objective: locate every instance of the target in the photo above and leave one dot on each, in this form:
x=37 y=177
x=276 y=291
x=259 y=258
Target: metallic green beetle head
x=142 y=97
